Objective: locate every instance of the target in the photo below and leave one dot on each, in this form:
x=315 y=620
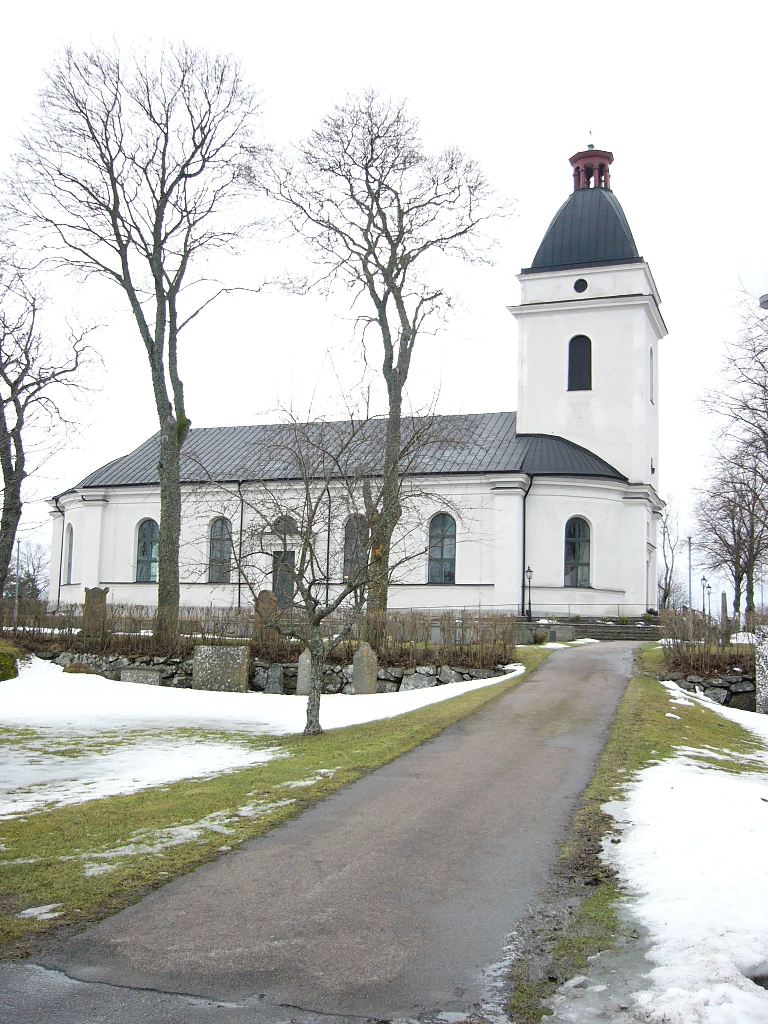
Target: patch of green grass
x=45 y=854
x=641 y=735
x=9 y=658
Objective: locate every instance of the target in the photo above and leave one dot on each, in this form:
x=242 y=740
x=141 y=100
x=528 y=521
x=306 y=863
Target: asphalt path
x=395 y=898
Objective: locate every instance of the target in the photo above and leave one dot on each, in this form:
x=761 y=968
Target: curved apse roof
x=589 y=229
x=463 y=444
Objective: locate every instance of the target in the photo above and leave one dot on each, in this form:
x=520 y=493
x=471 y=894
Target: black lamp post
x=709 y=600
x=703 y=588
x=529 y=577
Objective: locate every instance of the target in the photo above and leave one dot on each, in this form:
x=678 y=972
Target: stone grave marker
x=305 y=673
x=95 y=611
x=365 y=668
x=275 y=682
x=141 y=674
x=221 y=668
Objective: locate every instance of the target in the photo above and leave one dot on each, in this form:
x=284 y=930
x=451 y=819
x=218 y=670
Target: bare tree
x=34 y=376
x=34 y=562
x=732 y=527
x=307 y=538
x=742 y=397
x=376 y=211
x=130 y=171
x=670 y=590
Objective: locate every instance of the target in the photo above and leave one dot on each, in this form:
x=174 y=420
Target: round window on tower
x=580 y=285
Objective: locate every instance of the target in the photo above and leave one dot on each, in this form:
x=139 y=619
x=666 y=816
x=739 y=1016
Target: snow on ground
x=34 y=777
x=743 y=638
x=97 y=737
x=691 y=856
x=584 y=640
x=44 y=696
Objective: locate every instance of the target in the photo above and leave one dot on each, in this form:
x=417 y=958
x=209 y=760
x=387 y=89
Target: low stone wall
x=734 y=690
x=277 y=678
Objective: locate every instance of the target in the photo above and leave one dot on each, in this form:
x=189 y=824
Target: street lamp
x=529 y=577
x=703 y=588
x=709 y=601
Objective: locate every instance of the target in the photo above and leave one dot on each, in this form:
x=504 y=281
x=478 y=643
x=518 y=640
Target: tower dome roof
x=590 y=228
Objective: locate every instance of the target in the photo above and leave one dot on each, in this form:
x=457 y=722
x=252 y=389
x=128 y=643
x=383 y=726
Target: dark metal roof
x=589 y=229
x=474 y=443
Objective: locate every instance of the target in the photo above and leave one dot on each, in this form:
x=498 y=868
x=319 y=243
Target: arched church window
x=220 y=551
x=69 y=539
x=577 y=552
x=356 y=537
x=580 y=363
x=442 y=549
x=651 y=373
x=146 y=552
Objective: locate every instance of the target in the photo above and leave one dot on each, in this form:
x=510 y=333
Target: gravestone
x=265 y=613
x=141 y=674
x=275 y=682
x=221 y=668
x=95 y=611
x=304 y=677
x=761 y=670
x=365 y=668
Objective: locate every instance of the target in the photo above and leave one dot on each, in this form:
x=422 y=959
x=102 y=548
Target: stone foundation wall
x=265 y=677
x=734 y=690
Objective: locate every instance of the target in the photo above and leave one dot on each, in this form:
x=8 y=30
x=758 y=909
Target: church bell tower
x=589 y=328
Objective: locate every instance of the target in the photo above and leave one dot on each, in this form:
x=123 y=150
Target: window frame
x=69 y=545
x=579 y=363
x=154 y=554
x=575 y=564
x=355 y=551
x=437 y=563
x=220 y=560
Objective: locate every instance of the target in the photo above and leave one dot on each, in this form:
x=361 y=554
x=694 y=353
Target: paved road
x=388 y=900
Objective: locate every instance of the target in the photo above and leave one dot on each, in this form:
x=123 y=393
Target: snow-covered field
x=88 y=737
x=692 y=856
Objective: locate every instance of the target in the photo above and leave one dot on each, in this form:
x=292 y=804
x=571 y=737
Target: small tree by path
x=307 y=537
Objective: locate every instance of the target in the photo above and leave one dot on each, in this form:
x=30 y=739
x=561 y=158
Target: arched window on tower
x=580 y=363
x=442 y=549
x=651 y=374
x=146 y=552
x=577 y=552
x=356 y=539
x=69 y=539
x=220 y=551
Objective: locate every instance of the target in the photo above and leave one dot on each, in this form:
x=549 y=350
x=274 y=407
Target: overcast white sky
x=676 y=90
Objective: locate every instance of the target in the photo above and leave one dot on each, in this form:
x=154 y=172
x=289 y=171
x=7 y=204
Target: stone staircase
x=615 y=631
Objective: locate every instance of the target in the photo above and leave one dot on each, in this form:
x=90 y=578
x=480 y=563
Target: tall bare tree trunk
x=9 y=524
x=317 y=663
x=384 y=523
x=169 y=532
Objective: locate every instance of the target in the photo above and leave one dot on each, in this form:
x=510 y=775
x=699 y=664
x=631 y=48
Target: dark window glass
x=68 y=554
x=283 y=577
x=146 y=556
x=442 y=549
x=580 y=364
x=577 y=552
x=220 y=552
x=356 y=536
x=580 y=285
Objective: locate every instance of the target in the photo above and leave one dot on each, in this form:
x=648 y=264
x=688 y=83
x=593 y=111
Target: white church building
x=556 y=503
